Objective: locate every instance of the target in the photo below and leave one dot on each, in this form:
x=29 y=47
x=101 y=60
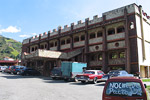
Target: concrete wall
x=112 y=45
x=146 y=29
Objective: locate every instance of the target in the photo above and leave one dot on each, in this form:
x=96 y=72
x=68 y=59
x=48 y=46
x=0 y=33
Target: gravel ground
x=15 y=87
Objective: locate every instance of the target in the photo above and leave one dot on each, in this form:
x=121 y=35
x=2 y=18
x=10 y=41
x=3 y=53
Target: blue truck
x=71 y=69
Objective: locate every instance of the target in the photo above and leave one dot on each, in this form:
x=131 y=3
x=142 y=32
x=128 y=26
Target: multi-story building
x=120 y=39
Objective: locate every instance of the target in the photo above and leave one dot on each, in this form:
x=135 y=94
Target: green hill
x=9 y=48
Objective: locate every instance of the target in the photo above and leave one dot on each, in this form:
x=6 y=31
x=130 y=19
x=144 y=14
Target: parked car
x=8 y=69
x=115 y=73
x=124 y=88
x=56 y=73
x=30 y=71
x=90 y=76
x=2 y=68
x=71 y=69
x=17 y=69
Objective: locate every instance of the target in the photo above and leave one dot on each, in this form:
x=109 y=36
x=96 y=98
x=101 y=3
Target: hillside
x=9 y=48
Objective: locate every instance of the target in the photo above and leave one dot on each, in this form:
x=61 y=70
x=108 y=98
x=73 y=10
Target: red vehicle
x=124 y=88
x=90 y=76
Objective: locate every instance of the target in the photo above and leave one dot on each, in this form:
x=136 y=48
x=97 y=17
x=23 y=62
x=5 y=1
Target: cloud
x=10 y=29
x=24 y=36
x=33 y=33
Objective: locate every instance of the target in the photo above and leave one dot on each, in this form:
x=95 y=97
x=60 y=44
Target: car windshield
x=129 y=89
x=117 y=72
x=89 y=72
x=111 y=72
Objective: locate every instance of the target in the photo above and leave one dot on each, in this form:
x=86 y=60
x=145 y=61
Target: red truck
x=124 y=88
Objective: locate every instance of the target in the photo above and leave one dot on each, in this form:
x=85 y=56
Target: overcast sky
x=20 y=19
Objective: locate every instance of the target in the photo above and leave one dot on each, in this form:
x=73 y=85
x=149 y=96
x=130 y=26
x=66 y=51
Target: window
x=113 y=55
x=32 y=48
x=122 y=54
x=99 y=34
x=120 y=29
x=100 y=57
x=55 y=43
x=131 y=25
x=45 y=46
x=92 y=57
x=42 y=46
x=126 y=89
x=111 y=31
x=35 y=48
x=76 y=39
x=92 y=35
x=51 y=44
x=62 y=42
x=82 y=37
x=68 y=40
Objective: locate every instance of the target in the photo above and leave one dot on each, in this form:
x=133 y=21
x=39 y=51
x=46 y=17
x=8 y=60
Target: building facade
x=118 y=40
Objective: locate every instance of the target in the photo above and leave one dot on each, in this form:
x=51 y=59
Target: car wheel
x=82 y=81
x=53 y=78
x=95 y=80
x=14 y=73
x=66 y=80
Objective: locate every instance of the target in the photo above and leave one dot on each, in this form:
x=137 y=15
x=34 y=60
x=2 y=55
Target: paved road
x=15 y=87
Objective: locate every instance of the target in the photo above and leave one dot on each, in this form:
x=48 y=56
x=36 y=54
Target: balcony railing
x=116 y=61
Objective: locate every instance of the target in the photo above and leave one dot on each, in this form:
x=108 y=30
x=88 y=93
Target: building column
x=104 y=48
x=58 y=40
x=48 y=45
x=86 y=57
x=127 y=43
x=105 y=53
x=71 y=37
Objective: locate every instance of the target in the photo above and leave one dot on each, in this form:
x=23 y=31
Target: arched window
x=32 y=48
x=35 y=48
x=68 y=40
x=92 y=35
x=131 y=25
x=113 y=55
x=62 y=42
x=122 y=54
x=82 y=37
x=111 y=31
x=99 y=34
x=100 y=57
x=120 y=29
x=92 y=57
x=42 y=46
x=51 y=44
x=45 y=46
x=76 y=39
x=55 y=43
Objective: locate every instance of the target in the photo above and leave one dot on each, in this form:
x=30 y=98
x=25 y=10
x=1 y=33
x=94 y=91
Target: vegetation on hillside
x=9 y=48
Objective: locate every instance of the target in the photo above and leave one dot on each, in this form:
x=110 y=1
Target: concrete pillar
x=86 y=57
x=127 y=43
x=104 y=53
x=71 y=37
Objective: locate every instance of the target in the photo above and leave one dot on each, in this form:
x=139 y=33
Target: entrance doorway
x=48 y=66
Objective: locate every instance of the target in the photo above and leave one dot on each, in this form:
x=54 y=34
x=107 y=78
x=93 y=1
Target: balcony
x=116 y=61
x=95 y=63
